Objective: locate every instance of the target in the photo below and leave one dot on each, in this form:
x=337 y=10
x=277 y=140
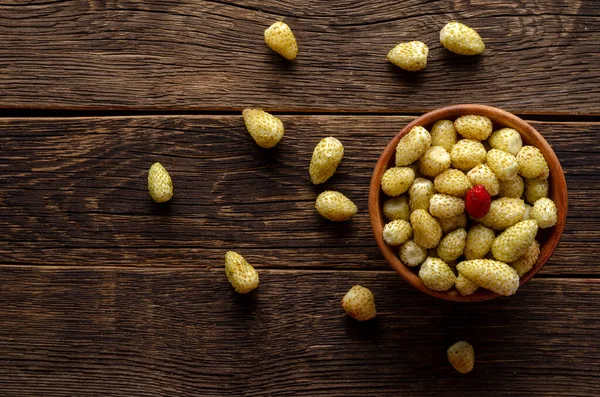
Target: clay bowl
x=548 y=238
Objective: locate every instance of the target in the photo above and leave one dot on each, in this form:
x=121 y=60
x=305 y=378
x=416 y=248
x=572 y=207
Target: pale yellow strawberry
x=503 y=164
x=464 y=286
x=325 y=159
x=419 y=193
x=396 y=208
x=467 y=153
x=483 y=175
x=532 y=164
x=436 y=274
x=280 y=38
x=526 y=261
x=545 y=213
x=242 y=276
x=335 y=206
x=426 y=231
x=474 y=127
x=452 y=223
x=412 y=146
x=490 y=274
x=536 y=189
x=397 y=232
x=506 y=139
x=443 y=134
x=514 y=241
x=411 y=56
x=527 y=213
x=461 y=39
x=479 y=242
x=397 y=180
x=504 y=213
x=411 y=254
x=512 y=188
x=160 y=185
x=435 y=161
x=359 y=303
x=445 y=206
x=453 y=182
x=266 y=129
x=452 y=245
x=462 y=357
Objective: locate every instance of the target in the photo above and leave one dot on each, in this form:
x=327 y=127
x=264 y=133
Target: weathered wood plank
x=74 y=192
x=210 y=55
x=156 y=332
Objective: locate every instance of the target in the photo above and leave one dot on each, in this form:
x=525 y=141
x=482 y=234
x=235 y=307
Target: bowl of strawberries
x=468 y=202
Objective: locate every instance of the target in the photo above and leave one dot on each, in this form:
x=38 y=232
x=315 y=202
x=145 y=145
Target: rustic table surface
x=103 y=293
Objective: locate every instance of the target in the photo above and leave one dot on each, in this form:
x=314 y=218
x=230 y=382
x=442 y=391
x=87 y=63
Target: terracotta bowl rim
x=558 y=192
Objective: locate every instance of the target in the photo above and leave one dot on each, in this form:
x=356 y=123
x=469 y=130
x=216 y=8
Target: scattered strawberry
x=477 y=202
x=279 y=38
x=426 y=231
x=242 y=276
x=514 y=241
x=266 y=129
x=461 y=39
x=397 y=232
x=411 y=56
x=325 y=159
x=474 y=127
x=335 y=206
x=359 y=303
x=397 y=180
x=396 y=208
x=160 y=185
x=412 y=146
x=462 y=357
x=493 y=275
x=436 y=274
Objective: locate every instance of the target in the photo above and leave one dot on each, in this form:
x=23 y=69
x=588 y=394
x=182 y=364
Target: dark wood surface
x=210 y=55
x=105 y=294
x=182 y=332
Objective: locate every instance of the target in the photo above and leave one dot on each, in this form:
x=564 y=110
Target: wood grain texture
x=156 y=332
x=74 y=192
x=541 y=56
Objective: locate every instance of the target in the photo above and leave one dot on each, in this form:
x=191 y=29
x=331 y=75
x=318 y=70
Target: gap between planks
x=268 y=269
x=51 y=114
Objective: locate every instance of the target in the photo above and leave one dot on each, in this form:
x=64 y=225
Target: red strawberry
x=477 y=202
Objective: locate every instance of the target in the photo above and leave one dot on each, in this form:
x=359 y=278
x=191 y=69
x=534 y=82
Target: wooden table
x=103 y=293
